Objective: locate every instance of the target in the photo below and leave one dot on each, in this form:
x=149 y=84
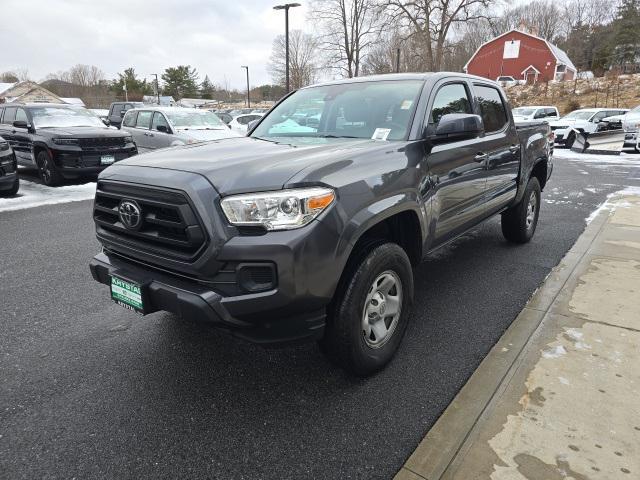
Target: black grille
x=169 y=228
x=100 y=143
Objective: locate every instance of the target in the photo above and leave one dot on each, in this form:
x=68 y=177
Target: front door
x=456 y=168
x=141 y=133
x=160 y=139
x=501 y=145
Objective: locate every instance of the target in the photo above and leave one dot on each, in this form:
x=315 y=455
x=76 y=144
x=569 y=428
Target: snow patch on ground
x=36 y=195
x=554 y=352
x=606 y=206
x=624 y=159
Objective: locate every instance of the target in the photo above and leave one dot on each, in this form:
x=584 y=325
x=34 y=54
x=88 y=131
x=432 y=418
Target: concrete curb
x=453 y=430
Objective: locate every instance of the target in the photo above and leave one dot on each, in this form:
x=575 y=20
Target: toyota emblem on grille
x=130 y=214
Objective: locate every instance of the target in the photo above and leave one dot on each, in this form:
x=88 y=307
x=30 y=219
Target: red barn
x=523 y=56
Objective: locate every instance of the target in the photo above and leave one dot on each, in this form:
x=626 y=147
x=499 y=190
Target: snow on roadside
x=35 y=195
x=624 y=159
x=606 y=206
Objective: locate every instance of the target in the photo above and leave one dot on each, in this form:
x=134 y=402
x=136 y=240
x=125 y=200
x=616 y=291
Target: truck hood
x=81 y=132
x=245 y=164
x=563 y=122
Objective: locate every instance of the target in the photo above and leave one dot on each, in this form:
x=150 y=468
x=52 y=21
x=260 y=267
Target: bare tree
x=431 y=21
x=302 y=59
x=347 y=28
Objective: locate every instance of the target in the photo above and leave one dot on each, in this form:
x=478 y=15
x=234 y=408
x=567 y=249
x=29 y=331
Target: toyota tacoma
x=309 y=227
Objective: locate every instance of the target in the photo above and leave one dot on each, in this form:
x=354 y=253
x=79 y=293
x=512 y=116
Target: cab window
x=144 y=119
x=159 y=120
x=451 y=98
x=21 y=115
x=492 y=109
x=9 y=115
x=129 y=119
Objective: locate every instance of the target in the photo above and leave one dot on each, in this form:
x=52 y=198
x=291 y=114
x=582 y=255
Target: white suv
x=585 y=120
x=537 y=112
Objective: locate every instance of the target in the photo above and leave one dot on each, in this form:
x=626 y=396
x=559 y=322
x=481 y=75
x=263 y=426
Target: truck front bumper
x=294 y=310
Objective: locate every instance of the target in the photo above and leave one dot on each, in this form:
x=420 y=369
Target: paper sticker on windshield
x=381 y=134
x=406 y=105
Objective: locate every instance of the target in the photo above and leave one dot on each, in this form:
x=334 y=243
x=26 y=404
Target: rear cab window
x=9 y=115
x=492 y=108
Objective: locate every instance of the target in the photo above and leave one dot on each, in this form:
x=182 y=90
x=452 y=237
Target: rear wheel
x=369 y=315
x=49 y=174
x=520 y=221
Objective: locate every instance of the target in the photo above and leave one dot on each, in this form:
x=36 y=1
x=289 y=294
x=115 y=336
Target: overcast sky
x=214 y=36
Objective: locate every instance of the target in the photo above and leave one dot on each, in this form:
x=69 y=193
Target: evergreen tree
x=180 y=82
x=206 y=88
x=136 y=88
x=626 y=37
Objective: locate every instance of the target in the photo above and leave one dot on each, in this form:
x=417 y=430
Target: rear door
x=23 y=145
x=142 y=132
x=455 y=169
x=500 y=146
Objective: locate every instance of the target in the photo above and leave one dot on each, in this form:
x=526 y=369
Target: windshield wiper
x=329 y=135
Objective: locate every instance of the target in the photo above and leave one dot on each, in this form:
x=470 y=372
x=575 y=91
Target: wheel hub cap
x=531 y=210
x=382 y=309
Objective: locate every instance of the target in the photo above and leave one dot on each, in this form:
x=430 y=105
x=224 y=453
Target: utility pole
x=286 y=8
x=398 y=60
x=126 y=94
x=157 y=88
x=248 y=97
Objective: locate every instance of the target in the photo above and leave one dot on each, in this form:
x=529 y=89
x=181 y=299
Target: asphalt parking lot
x=90 y=390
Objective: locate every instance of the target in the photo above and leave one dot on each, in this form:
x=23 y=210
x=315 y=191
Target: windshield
x=380 y=110
x=523 y=112
x=579 y=115
x=195 y=120
x=64 y=117
x=636 y=110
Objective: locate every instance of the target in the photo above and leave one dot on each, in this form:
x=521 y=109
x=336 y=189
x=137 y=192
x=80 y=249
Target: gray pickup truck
x=309 y=227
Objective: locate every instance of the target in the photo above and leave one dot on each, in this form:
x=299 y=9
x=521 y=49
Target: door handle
x=481 y=157
x=514 y=148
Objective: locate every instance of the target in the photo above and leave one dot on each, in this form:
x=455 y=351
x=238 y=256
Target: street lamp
x=286 y=8
x=248 y=98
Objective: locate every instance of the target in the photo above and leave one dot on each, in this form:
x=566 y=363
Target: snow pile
x=35 y=195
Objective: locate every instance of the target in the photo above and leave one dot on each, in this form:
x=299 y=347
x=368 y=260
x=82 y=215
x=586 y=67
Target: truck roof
x=402 y=76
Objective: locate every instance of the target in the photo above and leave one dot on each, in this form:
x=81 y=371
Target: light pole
x=286 y=8
x=248 y=98
x=157 y=88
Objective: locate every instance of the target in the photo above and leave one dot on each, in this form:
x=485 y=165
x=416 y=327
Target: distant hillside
x=622 y=91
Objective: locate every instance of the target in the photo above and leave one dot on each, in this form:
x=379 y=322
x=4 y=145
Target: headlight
x=281 y=210
x=65 y=141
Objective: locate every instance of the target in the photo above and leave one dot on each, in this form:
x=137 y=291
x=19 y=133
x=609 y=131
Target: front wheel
x=369 y=315
x=519 y=222
x=49 y=174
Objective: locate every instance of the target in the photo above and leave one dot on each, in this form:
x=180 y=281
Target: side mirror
x=458 y=126
x=21 y=124
x=122 y=112
x=540 y=115
x=162 y=128
x=106 y=121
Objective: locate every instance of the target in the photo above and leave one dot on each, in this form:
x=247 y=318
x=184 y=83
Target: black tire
x=519 y=222
x=14 y=189
x=47 y=170
x=345 y=341
x=570 y=139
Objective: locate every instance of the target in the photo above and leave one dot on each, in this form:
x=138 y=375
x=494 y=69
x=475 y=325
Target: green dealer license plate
x=127 y=294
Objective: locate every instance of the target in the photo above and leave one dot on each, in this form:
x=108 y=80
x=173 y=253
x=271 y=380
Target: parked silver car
x=154 y=127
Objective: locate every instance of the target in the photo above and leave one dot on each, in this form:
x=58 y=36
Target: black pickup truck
x=309 y=227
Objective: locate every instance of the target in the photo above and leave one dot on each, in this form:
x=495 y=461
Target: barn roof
x=561 y=55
